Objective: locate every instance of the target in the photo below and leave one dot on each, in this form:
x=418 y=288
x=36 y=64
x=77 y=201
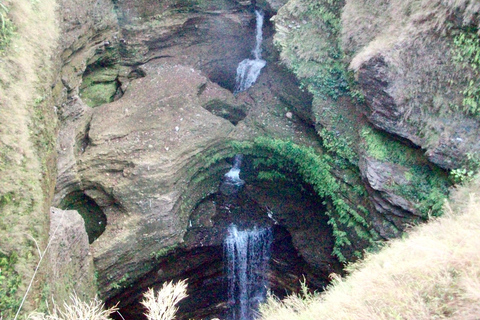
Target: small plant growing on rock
x=162 y=305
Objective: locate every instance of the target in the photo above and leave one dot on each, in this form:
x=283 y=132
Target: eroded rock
x=381 y=179
x=144 y=150
x=412 y=82
x=71 y=263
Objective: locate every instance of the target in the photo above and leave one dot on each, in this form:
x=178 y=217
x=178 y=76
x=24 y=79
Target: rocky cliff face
x=149 y=125
x=149 y=161
x=410 y=79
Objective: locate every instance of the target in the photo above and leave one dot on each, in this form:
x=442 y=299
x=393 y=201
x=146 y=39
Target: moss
x=380 y=146
x=99 y=86
x=311 y=47
x=427 y=185
x=99 y=93
x=282 y=158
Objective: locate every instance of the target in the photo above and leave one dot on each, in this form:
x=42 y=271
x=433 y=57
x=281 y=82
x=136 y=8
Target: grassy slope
x=434 y=273
x=27 y=133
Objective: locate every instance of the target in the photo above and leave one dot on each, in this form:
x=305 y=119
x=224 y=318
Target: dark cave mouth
x=207 y=281
x=93 y=216
x=201 y=258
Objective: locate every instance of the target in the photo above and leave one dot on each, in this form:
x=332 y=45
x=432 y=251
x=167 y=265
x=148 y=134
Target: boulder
x=406 y=68
x=381 y=178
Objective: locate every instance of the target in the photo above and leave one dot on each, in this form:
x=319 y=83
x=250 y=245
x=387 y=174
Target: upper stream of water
x=249 y=69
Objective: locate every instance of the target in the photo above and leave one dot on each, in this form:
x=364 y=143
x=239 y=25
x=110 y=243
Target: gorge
x=350 y=124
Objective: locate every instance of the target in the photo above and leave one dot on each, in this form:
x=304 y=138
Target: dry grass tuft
x=163 y=304
x=77 y=310
x=433 y=274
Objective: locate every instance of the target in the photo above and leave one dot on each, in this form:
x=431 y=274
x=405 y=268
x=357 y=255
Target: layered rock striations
x=413 y=84
x=149 y=124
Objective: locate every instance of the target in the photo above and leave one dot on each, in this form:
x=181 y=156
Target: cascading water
x=231 y=181
x=247 y=256
x=248 y=70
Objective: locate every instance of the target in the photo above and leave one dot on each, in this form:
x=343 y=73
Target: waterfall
x=248 y=70
x=234 y=174
x=247 y=255
x=231 y=181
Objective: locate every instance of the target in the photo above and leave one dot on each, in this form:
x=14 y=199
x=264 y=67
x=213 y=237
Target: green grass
x=28 y=125
x=9 y=283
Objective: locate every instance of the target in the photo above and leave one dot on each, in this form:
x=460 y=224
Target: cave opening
x=301 y=247
x=204 y=269
x=93 y=216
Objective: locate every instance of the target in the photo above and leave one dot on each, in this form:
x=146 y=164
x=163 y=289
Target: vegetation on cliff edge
x=284 y=158
x=433 y=273
x=27 y=141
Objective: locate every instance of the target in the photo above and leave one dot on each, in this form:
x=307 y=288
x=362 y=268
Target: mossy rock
x=99 y=86
x=99 y=93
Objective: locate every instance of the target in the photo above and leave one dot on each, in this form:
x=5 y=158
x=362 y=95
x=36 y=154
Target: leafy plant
x=289 y=159
x=9 y=283
x=467 y=172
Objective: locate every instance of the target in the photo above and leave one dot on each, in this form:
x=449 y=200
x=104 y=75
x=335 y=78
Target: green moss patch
x=100 y=86
x=281 y=159
x=427 y=185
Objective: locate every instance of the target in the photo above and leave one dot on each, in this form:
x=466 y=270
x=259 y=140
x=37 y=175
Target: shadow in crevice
x=93 y=216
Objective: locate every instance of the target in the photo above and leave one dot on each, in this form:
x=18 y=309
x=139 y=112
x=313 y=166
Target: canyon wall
x=349 y=134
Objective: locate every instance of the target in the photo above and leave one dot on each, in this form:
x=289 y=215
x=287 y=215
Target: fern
x=314 y=169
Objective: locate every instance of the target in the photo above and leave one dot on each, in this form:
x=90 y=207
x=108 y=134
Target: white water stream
x=247 y=255
x=248 y=70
